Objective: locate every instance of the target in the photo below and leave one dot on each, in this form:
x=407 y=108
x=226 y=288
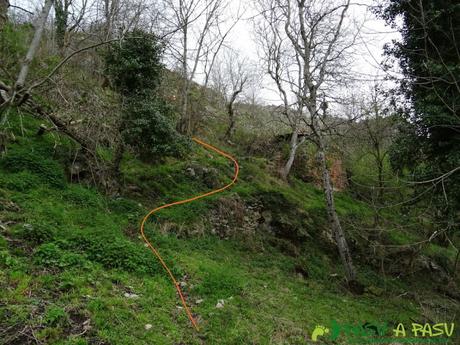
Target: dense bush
x=134 y=64
x=50 y=255
x=22 y=181
x=427 y=143
x=48 y=170
x=149 y=128
x=123 y=206
x=114 y=252
x=82 y=196
x=135 y=67
x=37 y=233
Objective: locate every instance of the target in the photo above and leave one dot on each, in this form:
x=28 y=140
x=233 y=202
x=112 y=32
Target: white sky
x=374 y=34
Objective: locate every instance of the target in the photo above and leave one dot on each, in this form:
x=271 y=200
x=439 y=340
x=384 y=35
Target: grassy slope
x=81 y=254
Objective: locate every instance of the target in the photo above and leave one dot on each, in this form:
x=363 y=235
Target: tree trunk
x=231 y=112
x=336 y=227
x=293 y=146
x=231 y=126
x=4 y=4
x=380 y=177
x=110 y=9
x=39 y=26
x=184 y=123
x=231 y=123
x=3 y=142
x=61 y=8
x=118 y=156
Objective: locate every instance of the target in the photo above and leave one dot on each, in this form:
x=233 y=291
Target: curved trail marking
x=156 y=252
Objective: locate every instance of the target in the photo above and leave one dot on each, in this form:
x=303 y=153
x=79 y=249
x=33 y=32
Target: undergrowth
x=70 y=256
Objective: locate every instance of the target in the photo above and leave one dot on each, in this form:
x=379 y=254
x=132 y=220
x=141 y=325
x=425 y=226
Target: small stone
x=199 y=301
x=374 y=290
x=220 y=304
x=87 y=325
x=191 y=172
x=183 y=284
x=148 y=326
x=131 y=295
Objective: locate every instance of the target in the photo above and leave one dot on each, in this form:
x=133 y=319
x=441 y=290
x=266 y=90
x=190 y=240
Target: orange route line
x=147 y=216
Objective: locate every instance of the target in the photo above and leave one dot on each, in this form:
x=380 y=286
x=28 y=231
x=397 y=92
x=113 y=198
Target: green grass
x=264 y=303
x=70 y=254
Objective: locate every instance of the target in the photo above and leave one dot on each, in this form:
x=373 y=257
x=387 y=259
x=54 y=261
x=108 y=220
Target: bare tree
x=313 y=42
x=377 y=134
x=229 y=78
x=277 y=64
x=9 y=95
x=197 y=33
x=39 y=27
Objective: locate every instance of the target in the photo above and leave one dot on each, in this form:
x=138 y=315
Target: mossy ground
x=68 y=255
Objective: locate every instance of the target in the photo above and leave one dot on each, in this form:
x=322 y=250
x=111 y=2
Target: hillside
x=343 y=224
x=74 y=270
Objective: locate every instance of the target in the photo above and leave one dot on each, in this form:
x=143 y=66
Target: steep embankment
x=255 y=264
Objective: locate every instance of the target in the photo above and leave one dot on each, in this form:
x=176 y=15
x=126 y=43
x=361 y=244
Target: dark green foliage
x=429 y=138
x=125 y=206
x=49 y=171
x=287 y=220
x=37 y=233
x=50 y=255
x=149 y=128
x=21 y=181
x=135 y=63
x=6 y=260
x=61 y=20
x=113 y=252
x=135 y=68
x=3 y=243
x=82 y=196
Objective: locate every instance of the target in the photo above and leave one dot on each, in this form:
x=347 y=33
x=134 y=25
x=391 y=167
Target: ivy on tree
x=429 y=137
x=135 y=68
